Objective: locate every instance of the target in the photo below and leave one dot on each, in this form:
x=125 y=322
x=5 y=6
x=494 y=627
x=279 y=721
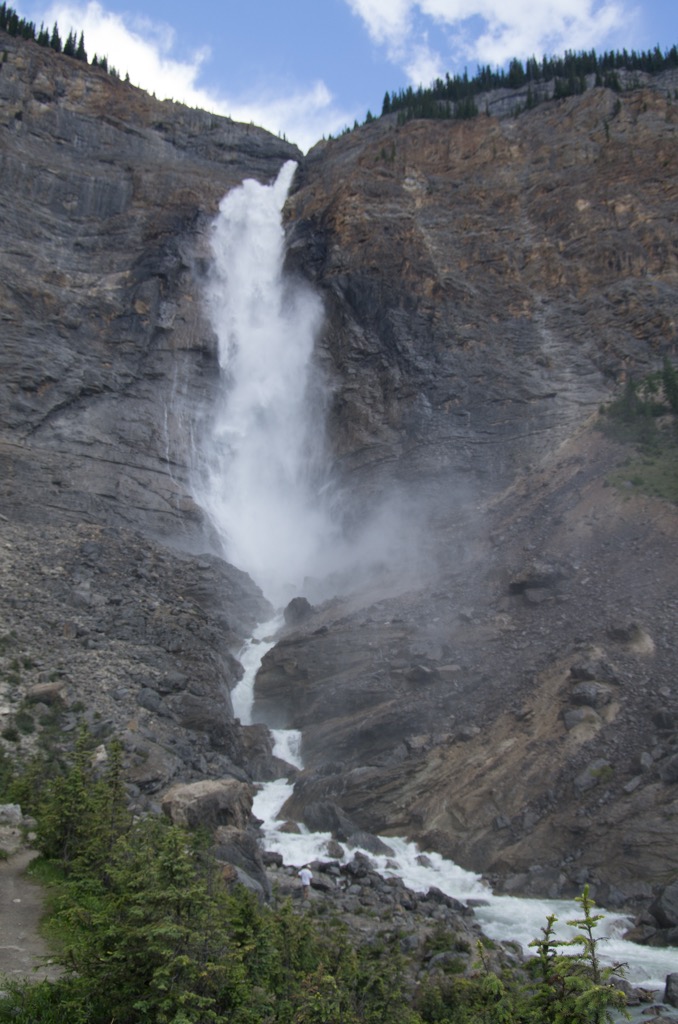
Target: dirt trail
x=23 y=952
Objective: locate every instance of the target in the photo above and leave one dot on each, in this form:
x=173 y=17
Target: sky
x=306 y=69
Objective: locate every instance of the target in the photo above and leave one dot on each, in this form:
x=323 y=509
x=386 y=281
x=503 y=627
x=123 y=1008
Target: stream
x=502 y=918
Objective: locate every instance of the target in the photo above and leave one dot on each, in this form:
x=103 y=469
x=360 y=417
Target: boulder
x=668 y=772
x=240 y=849
x=590 y=693
x=592 y=669
x=575 y=716
x=326 y=816
x=298 y=610
x=209 y=803
x=334 y=849
x=47 y=693
x=371 y=843
x=10 y=814
x=664 y=909
x=671 y=990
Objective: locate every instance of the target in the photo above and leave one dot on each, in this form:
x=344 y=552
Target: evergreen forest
x=571 y=74
x=73 y=46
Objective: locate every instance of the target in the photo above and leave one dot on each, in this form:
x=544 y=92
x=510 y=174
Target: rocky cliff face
x=106 y=197
x=487 y=280
x=487 y=284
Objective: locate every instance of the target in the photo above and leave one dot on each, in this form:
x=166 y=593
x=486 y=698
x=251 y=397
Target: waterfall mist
x=264 y=488
x=265 y=482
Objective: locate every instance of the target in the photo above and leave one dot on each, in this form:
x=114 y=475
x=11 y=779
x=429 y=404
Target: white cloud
x=387 y=21
x=304 y=117
x=423 y=65
x=143 y=49
x=543 y=26
x=510 y=28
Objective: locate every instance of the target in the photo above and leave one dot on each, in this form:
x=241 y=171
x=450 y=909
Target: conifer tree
x=574 y=988
x=55 y=39
x=65 y=810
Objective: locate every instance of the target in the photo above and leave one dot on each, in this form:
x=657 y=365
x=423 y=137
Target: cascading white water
x=263 y=491
x=265 y=485
x=503 y=918
x=264 y=488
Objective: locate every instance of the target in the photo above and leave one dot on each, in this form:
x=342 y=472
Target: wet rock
x=359 y=867
x=665 y=907
x=271 y=858
x=297 y=611
x=367 y=841
x=671 y=990
x=326 y=816
x=334 y=849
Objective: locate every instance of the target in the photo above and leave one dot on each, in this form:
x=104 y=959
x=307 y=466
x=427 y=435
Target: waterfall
x=265 y=489
x=266 y=485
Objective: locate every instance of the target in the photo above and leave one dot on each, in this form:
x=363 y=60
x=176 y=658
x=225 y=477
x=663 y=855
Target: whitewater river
x=502 y=917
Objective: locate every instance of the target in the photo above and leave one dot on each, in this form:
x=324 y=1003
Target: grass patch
x=652 y=474
x=645 y=417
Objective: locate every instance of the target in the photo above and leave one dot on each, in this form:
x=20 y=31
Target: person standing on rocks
x=305 y=874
